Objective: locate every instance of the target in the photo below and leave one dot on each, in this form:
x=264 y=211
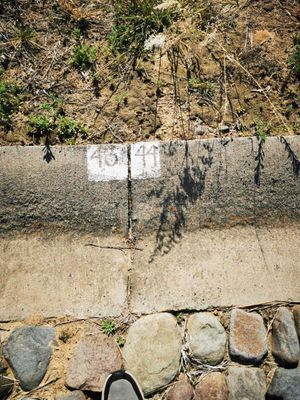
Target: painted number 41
x=145 y=160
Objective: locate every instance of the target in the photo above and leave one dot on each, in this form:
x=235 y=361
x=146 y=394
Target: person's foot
x=121 y=385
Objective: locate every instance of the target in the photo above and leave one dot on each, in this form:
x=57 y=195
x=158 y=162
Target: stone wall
x=223 y=354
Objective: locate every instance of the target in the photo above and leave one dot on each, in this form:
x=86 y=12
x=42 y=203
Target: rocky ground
x=117 y=71
x=226 y=355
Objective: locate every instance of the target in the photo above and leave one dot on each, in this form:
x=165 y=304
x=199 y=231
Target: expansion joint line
x=130 y=235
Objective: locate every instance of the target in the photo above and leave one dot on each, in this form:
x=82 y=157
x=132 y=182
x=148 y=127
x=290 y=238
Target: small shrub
x=108 y=327
x=84 y=56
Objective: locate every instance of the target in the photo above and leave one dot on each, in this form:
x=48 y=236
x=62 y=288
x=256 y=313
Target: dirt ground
x=222 y=68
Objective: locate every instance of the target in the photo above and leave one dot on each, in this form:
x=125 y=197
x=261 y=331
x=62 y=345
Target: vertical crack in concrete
x=130 y=235
x=129 y=194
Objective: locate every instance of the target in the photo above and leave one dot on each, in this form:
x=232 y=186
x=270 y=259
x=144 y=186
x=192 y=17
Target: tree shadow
x=175 y=205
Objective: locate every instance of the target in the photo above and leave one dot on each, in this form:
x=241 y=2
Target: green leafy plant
x=77 y=34
x=84 y=56
x=52 y=122
x=120 y=341
x=262 y=130
x=40 y=126
x=108 y=327
x=68 y=129
x=10 y=99
x=179 y=317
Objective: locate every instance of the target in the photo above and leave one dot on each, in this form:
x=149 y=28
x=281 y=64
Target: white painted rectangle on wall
x=107 y=162
x=145 y=160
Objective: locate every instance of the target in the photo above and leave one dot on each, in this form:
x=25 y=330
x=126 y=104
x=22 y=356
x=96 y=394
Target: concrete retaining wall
x=193 y=184
x=57 y=195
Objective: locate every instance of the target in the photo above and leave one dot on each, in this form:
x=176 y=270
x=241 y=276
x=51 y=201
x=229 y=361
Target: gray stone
x=246 y=383
x=6 y=386
x=76 y=395
x=95 y=357
x=296 y=312
x=182 y=390
x=212 y=387
x=248 y=337
x=224 y=129
x=202 y=129
x=28 y=353
x=207 y=338
x=152 y=351
x=285 y=384
x=285 y=343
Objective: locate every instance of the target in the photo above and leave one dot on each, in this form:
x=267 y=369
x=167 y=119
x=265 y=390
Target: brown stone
x=212 y=387
x=248 y=337
x=182 y=390
x=285 y=343
x=94 y=358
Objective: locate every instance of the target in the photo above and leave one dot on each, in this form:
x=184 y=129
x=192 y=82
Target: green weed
x=135 y=21
x=68 y=129
x=40 y=126
x=120 y=341
x=179 y=317
x=52 y=122
x=84 y=56
x=262 y=130
x=24 y=37
x=77 y=34
x=64 y=336
x=108 y=327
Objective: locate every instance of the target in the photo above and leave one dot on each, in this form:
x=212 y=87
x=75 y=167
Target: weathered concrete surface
x=57 y=196
x=207 y=183
x=62 y=276
x=235 y=266
x=203 y=184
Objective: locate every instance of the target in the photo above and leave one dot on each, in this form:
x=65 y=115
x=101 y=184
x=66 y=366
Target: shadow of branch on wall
x=174 y=206
x=292 y=157
x=48 y=154
x=260 y=162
